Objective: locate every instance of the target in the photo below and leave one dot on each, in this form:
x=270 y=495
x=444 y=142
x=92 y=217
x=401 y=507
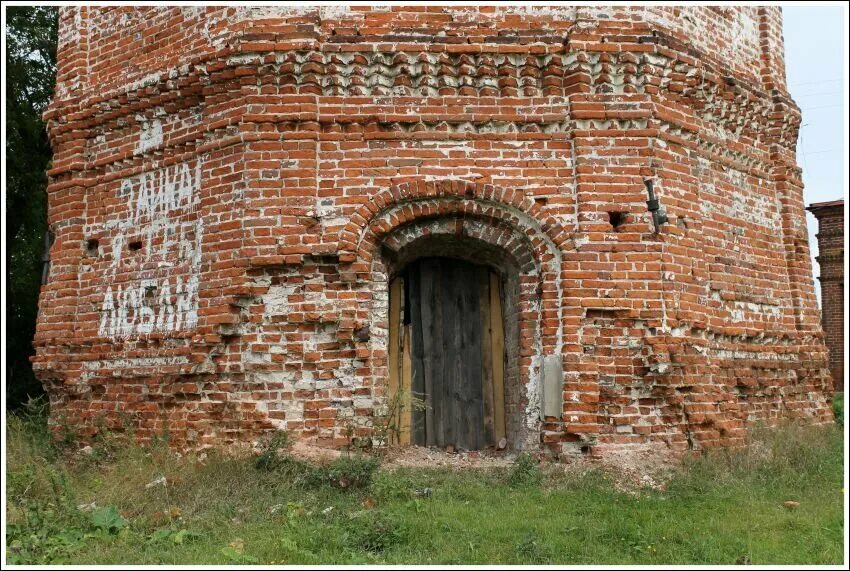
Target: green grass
x=718 y=509
x=838 y=408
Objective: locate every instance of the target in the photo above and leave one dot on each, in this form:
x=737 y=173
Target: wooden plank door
x=454 y=360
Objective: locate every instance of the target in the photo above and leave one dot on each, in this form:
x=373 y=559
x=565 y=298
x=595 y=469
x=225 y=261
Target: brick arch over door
x=410 y=193
x=505 y=220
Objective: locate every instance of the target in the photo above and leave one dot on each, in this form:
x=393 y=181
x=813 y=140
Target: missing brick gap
x=92 y=247
x=616 y=219
x=135 y=245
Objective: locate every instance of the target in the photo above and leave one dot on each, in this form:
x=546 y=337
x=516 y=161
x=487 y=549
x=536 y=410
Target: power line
x=815 y=82
x=817 y=94
x=821 y=107
x=819 y=159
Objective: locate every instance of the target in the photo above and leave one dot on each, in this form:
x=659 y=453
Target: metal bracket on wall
x=659 y=215
x=553 y=387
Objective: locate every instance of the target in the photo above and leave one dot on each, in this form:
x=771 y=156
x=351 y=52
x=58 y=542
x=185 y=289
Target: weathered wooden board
x=406 y=372
x=393 y=358
x=417 y=352
x=469 y=408
x=487 y=354
x=498 y=340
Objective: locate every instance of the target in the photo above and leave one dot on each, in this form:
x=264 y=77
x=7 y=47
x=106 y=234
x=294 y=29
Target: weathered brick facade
x=233 y=187
x=830 y=258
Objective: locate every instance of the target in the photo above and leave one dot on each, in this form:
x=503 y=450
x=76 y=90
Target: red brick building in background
x=830 y=258
x=237 y=194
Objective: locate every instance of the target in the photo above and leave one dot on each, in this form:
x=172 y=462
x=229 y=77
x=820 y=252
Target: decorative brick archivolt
x=511 y=205
x=461 y=224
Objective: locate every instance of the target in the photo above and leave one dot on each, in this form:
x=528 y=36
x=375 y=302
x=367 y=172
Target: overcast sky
x=815 y=39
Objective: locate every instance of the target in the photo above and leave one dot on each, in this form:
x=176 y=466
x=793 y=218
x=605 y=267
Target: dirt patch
x=629 y=471
x=632 y=471
x=423 y=457
x=303 y=450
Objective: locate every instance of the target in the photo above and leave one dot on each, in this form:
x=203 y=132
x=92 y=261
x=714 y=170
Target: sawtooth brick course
x=232 y=186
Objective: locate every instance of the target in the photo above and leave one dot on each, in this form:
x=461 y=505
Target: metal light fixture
x=659 y=215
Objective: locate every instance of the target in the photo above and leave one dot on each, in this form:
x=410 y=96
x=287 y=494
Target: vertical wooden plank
x=405 y=386
x=483 y=278
x=432 y=355
x=459 y=381
x=498 y=338
x=473 y=415
x=393 y=349
x=451 y=363
x=418 y=354
x=454 y=303
x=405 y=370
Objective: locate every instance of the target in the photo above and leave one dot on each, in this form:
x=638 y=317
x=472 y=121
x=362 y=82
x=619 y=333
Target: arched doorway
x=483 y=224
x=447 y=349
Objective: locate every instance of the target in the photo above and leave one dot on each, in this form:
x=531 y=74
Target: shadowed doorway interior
x=447 y=348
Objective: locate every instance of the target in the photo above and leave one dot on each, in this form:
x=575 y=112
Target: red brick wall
x=269 y=165
x=830 y=258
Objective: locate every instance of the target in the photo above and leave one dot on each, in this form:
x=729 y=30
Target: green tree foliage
x=31 y=33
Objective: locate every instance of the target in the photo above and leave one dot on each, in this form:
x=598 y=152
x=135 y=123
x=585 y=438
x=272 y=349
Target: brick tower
x=284 y=217
x=830 y=258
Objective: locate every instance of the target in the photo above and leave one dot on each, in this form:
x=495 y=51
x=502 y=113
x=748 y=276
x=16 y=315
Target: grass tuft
x=838 y=408
x=345 y=473
x=525 y=472
x=375 y=532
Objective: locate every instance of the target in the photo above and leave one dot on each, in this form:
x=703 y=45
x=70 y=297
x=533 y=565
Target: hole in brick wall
x=616 y=219
x=228 y=338
x=150 y=291
x=92 y=247
x=542 y=201
x=362 y=334
x=135 y=245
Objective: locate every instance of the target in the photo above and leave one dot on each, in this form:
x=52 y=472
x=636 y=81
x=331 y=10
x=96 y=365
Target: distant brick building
x=278 y=217
x=830 y=257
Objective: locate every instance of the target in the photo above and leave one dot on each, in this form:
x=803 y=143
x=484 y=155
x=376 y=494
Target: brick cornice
x=516 y=71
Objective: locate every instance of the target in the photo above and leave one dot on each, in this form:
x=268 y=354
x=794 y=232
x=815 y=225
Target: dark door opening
x=447 y=349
